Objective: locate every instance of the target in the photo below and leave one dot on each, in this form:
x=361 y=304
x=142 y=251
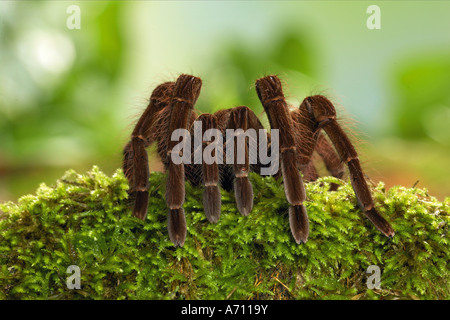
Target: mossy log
x=85 y=220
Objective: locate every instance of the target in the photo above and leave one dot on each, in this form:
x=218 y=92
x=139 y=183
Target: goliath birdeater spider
x=300 y=132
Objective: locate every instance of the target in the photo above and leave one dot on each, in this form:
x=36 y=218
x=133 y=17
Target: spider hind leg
x=323 y=112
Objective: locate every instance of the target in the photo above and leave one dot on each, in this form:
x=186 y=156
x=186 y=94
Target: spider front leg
x=185 y=94
x=323 y=114
x=135 y=162
x=271 y=95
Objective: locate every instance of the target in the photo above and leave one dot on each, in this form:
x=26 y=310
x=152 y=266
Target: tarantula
x=300 y=133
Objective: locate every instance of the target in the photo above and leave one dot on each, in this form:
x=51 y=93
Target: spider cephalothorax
x=300 y=133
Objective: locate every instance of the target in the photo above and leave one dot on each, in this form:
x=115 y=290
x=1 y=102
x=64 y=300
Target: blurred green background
x=69 y=97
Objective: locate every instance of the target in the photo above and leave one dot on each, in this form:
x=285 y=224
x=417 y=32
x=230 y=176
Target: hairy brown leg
x=324 y=114
x=185 y=94
x=304 y=138
x=309 y=172
x=309 y=138
x=226 y=175
x=210 y=173
x=135 y=162
x=332 y=161
x=271 y=95
x=243 y=118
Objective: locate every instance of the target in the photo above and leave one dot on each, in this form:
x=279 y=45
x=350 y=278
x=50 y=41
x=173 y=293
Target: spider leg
x=322 y=111
x=332 y=161
x=244 y=123
x=185 y=94
x=210 y=171
x=309 y=171
x=310 y=139
x=271 y=95
x=135 y=161
x=226 y=174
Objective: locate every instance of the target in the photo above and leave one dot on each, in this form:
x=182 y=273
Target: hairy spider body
x=171 y=107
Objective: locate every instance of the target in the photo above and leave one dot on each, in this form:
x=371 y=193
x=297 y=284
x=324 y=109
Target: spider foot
x=176 y=225
x=298 y=221
x=243 y=192
x=141 y=204
x=379 y=222
x=212 y=203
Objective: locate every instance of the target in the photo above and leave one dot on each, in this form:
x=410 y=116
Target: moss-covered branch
x=84 y=220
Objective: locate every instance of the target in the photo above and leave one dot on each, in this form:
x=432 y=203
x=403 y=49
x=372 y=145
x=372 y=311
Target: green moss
x=85 y=220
